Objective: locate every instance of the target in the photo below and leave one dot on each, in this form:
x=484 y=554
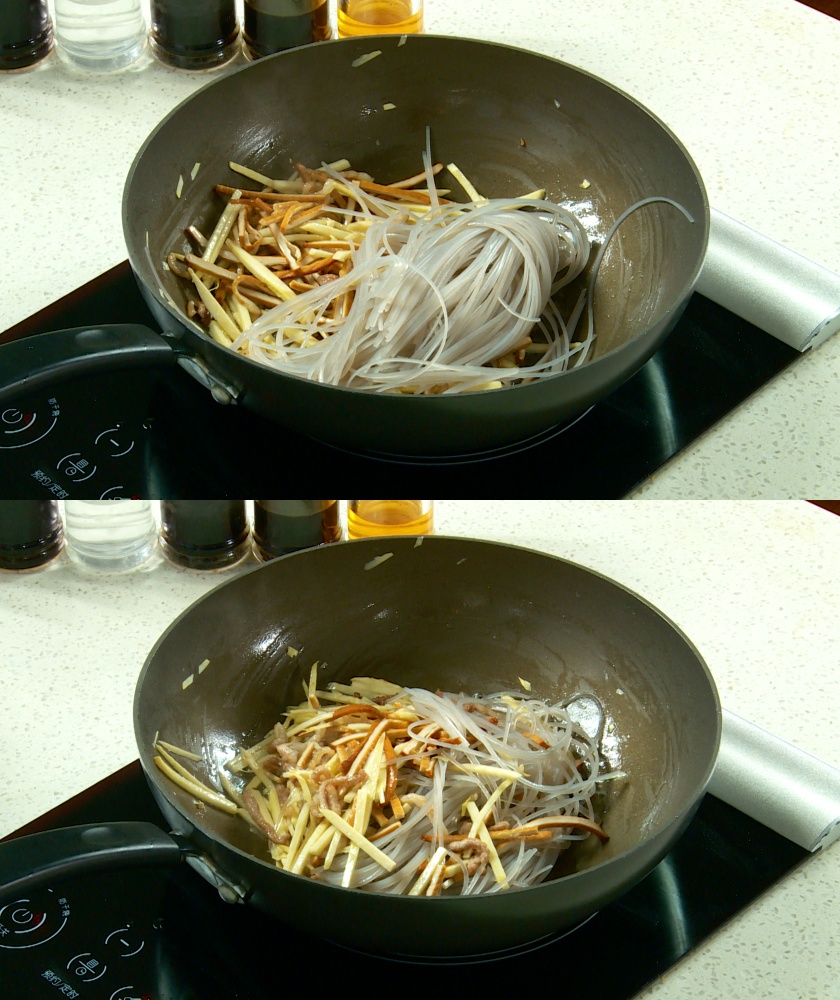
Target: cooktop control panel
x=88 y=439
x=60 y=949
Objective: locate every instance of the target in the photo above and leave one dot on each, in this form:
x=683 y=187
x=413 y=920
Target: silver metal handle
x=785 y=788
x=776 y=289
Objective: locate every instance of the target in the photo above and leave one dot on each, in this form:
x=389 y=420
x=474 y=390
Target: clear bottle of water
x=110 y=535
x=100 y=35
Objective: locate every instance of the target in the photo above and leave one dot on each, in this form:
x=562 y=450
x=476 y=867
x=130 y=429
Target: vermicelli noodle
x=437 y=299
x=336 y=278
x=403 y=790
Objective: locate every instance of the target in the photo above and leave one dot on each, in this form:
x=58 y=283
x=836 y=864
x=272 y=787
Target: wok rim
x=664 y=833
x=135 y=255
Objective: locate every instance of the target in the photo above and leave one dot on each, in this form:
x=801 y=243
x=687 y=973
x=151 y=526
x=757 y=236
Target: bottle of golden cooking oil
x=379 y=17
x=372 y=518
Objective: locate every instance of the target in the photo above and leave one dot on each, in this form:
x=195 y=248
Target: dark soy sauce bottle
x=204 y=534
x=31 y=533
x=274 y=25
x=194 y=34
x=282 y=526
x=26 y=34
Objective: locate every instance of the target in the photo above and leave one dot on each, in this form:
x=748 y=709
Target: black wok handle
x=34 y=861
x=36 y=363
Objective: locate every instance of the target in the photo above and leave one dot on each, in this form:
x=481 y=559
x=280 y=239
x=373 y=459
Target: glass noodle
x=404 y=790
x=395 y=288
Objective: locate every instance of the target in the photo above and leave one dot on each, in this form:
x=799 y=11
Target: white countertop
x=749 y=86
x=753 y=584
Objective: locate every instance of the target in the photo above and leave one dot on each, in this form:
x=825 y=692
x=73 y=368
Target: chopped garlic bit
x=187 y=681
x=525 y=684
x=203 y=666
x=378 y=560
x=291 y=651
x=194 y=171
x=366 y=58
x=388 y=106
x=585 y=183
x=180 y=186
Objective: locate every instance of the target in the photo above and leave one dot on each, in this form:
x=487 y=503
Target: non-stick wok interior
x=454 y=614
x=513 y=121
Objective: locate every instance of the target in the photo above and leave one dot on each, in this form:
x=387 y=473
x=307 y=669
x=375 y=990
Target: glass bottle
x=194 y=34
x=110 y=535
x=274 y=25
x=100 y=35
x=31 y=534
x=204 y=534
x=26 y=34
x=372 y=518
x=379 y=17
x=283 y=526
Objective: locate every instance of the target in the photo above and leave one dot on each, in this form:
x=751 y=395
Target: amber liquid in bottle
x=275 y=25
x=374 y=518
x=282 y=526
x=370 y=17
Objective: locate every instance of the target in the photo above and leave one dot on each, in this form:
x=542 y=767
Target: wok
x=512 y=120
x=452 y=613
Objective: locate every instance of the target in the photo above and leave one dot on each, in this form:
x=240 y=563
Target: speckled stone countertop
x=753 y=584
x=749 y=86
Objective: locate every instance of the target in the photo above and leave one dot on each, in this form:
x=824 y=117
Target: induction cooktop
x=155 y=433
x=165 y=934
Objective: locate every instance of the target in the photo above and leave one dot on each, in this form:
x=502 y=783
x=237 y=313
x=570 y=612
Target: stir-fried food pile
x=393 y=287
x=410 y=791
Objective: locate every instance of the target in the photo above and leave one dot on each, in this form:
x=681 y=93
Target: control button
x=21 y=428
x=86 y=967
x=114 y=441
x=123 y=940
x=30 y=921
x=75 y=467
x=129 y=993
x=16 y=419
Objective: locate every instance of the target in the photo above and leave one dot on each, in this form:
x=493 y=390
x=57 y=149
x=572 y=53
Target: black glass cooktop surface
x=158 y=434
x=165 y=934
